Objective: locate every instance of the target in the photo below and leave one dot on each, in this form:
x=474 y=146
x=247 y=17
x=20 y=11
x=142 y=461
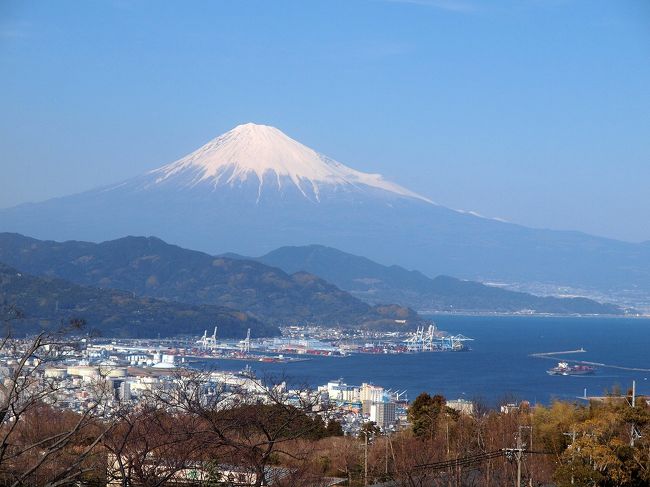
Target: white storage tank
x=56 y=372
x=83 y=370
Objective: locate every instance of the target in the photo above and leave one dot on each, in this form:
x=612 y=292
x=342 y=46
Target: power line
x=509 y=453
x=462 y=461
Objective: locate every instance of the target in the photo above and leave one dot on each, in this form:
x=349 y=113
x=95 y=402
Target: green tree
x=423 y=414
x=334 y=428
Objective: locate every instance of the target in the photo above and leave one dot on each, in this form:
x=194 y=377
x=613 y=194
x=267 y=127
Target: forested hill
x=46 y=301
x=151 y=267
x=373 y=282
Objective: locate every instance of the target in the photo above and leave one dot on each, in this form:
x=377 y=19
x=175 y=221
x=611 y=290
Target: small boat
x=563 y=368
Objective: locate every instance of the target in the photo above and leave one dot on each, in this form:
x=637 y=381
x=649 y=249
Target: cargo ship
x=563 y=368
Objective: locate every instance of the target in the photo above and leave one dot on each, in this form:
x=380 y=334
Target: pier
x=551 y=354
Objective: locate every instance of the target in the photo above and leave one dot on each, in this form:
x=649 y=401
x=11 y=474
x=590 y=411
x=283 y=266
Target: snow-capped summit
x=254 y=189
x=269 y=158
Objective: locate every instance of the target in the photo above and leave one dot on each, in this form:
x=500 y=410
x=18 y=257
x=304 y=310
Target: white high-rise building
x=125 y=391
x=383 y=413
x=371 y=392
x=342 y=392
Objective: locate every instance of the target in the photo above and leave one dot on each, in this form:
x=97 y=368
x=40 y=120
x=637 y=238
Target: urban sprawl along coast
x=126 y=371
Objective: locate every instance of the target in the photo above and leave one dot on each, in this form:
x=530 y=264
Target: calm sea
x=499 y=364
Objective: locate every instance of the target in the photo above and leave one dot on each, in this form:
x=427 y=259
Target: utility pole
x=633 y=432
x=365 y=459
x=573 y=439
x=386 y=472
x=517 y=454
x=447 y=426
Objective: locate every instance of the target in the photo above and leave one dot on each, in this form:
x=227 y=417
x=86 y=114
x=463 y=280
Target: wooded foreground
x=197 y=434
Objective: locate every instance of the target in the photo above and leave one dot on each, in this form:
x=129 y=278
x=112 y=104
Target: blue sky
x=534 y=111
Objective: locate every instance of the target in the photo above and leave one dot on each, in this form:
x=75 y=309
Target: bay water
x=499 y=367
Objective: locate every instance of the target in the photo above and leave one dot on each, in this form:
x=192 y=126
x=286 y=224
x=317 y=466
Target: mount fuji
x=263 y=156
x=254 y=189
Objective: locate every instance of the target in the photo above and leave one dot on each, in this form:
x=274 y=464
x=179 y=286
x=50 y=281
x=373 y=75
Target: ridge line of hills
x=374 y=282
x=149 y=267
x=254 y=189
x=291 y=285
x=47 y=302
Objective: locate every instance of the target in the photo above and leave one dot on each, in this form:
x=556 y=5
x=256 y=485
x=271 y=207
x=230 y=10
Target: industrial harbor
x=296 y=344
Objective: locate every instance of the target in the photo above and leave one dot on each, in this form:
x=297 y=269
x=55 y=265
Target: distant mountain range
x=373 y=282
x=254 y=189
x=150 y=267
x=47 y=301
x=291 y=285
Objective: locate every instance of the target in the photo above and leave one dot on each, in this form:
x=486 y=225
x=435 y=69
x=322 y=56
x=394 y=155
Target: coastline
x=527 y=315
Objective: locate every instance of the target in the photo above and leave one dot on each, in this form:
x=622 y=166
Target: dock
x=551 y=354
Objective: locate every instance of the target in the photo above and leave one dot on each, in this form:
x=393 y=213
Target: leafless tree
x=251 y=425
x=39 y=446
x=150 y=447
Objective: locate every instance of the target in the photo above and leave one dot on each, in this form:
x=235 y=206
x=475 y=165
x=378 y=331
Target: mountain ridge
x=148 y=266
x=373 y=282
x=48 y=301
x=267 y=155
x=386 y=226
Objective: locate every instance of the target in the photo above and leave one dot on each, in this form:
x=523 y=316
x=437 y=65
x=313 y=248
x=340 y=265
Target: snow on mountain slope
x=254 y=189
x=271 y=158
